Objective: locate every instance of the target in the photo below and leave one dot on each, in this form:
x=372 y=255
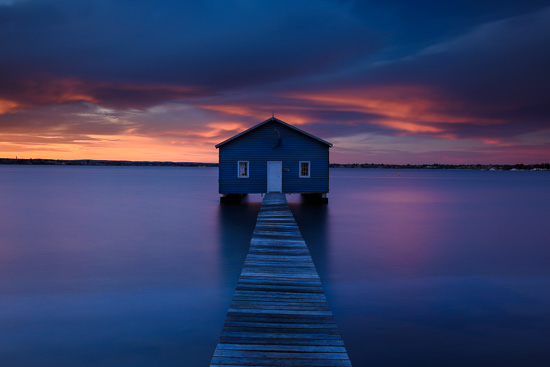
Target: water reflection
x=399 y=230
x=440 y=268
x=136 y=266
x=109 y=266
x=236 y=223
x=312 y=220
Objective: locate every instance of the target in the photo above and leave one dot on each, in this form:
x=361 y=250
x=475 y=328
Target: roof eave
x=265 y=122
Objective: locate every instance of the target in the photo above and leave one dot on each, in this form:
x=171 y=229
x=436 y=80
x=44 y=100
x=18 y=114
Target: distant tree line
x=503 y=167
x=95 y=162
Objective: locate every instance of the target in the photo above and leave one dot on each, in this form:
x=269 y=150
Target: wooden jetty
x=279 y=315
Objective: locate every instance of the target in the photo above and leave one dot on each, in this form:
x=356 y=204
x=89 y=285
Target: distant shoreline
x=481 y=167
x=96 y=162
x=99 y=162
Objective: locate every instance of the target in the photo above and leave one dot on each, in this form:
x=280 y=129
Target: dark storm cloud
x=31 y=91
x=412 y=23
x=217 y=44
x=496 y=77
x=503 y=64
x=344 y=130
x=62 y=123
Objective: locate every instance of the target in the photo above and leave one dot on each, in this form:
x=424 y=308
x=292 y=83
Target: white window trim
x=308 y=169
x=247 y=169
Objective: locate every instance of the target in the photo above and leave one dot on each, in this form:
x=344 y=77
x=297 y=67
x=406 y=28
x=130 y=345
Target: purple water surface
x=136 y=266
x=436 y=268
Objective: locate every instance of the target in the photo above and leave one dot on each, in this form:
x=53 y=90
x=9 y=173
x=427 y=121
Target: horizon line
x=53 y=160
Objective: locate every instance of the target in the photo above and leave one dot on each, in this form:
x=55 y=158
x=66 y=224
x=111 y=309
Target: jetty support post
x=231 y=198
x=315 y=198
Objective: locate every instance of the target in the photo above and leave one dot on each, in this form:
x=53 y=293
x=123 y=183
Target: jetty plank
x=279 y=315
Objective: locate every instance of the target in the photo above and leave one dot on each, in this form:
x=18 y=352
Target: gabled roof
x=273 y=119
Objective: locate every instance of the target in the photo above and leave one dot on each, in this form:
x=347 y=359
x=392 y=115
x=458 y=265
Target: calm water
x=111 y=266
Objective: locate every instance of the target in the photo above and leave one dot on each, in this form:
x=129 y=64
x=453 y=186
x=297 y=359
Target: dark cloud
x=421 y=22
x=496 y=64
x=28 y=92
x=493 y=81
x=69 y=119
x=215 y=44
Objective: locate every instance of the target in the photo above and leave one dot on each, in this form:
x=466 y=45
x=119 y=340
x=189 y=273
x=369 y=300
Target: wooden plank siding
x=279 y=315
x=262 y=145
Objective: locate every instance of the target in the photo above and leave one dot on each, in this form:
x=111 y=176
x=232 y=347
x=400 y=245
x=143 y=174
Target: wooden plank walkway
x=279 y=315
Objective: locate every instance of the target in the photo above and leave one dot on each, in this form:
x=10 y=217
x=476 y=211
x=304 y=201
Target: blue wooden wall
x=257 y=147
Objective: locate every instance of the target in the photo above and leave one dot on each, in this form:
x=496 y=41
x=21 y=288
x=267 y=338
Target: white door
x=274 y=176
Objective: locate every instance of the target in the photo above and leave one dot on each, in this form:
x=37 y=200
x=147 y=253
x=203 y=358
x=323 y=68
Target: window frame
x=239 y=169
x=308 y=169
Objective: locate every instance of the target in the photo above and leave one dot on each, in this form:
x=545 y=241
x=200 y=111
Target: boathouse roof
x=273 y=119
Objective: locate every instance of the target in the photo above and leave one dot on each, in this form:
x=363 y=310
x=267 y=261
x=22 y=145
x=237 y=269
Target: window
x=304 y=169
x=243 y=169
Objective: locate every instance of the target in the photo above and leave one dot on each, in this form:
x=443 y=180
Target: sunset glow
x=435 y=93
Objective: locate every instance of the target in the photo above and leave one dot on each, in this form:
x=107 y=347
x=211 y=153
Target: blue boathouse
x=273 y=156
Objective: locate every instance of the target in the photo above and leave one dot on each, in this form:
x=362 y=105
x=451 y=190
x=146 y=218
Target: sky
x=385 y=81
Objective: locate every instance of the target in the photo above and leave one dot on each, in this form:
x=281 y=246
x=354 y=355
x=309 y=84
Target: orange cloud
x=116 y=147
x=222 y=129
x=66 y=90
x=411 y=127
x=235 y=110
x=405 y=108
x=44 y=91
x=497 y=142
x=226 y=125
x=395 y=106
x=115 y=129
x=7 y=106
x=284 y=111
x=30 y=93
